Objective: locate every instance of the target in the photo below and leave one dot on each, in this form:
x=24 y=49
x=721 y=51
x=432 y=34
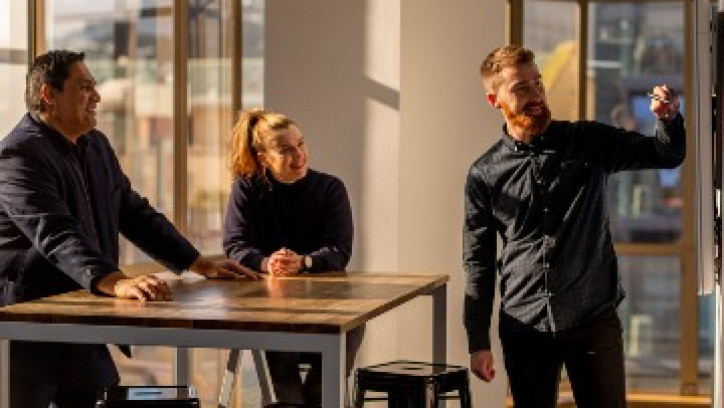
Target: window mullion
x=180 y=113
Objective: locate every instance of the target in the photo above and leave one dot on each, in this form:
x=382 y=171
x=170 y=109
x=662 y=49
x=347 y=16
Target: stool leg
x=359 y=398
x=396 y=399
x=227 y=384
x=359 y=393
x=410 y=397
x=431 y=400
x=465 y=399
x=268 y=394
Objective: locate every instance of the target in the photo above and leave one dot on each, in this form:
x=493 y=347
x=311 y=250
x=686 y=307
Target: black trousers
x=592 y=354
x=32 y=393
x=70 y=375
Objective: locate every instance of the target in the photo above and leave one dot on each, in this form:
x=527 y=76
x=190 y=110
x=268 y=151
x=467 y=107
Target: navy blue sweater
x=311 y=217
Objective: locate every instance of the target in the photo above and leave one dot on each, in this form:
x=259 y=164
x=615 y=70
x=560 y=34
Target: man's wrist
x=669 y=116
x=196 y=263
x=202 y=265
x=107 y=284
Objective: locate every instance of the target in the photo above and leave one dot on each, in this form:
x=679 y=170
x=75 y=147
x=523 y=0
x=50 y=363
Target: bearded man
x=542 y=188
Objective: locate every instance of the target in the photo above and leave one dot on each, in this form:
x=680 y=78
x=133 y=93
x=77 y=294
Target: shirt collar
x=58 y=137
x=539 y=143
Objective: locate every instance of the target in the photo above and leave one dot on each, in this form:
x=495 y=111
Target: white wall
x=387 y=93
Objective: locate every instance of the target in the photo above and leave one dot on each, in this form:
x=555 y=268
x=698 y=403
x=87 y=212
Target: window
x=13 y=62
x=13 y=66
x=629 y=53
x=168 y=119
x=128 y=48
x=598 y=59
x=552 y=33
x=211 y=86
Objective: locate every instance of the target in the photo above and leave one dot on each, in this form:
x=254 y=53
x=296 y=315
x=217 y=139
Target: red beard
x=528 y=119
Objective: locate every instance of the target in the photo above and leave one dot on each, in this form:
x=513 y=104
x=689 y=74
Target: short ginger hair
x=501 y=58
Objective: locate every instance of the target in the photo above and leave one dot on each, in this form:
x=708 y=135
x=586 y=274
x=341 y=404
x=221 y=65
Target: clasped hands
x=283 y=262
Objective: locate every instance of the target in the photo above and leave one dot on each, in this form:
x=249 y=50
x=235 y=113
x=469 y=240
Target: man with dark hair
x=542 y=188
x=63 y=202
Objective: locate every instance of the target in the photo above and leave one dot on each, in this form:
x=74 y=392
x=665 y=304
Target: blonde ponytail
x=248 y=138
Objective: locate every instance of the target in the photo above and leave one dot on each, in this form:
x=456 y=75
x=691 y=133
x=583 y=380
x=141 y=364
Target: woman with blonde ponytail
x=284 y=218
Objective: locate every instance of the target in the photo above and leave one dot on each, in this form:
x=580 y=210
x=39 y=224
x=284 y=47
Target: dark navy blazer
x=62 y=207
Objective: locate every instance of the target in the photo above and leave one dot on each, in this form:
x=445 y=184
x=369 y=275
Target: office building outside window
x=13 y=62
x=598 y=59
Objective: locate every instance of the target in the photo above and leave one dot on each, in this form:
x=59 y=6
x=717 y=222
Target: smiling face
x=72 y=111
x=521 y=96
x=285 y=155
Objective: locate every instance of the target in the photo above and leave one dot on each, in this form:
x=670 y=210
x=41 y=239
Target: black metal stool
x=413 y=384
x=147 y=397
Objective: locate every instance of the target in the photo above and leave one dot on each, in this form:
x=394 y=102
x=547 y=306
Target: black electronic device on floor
x=175 y=396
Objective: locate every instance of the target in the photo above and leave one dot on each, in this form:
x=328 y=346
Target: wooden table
x=308 y=313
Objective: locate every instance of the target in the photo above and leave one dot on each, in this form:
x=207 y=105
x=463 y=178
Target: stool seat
x=413 y=384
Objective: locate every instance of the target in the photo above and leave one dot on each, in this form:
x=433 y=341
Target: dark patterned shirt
x=547 y=202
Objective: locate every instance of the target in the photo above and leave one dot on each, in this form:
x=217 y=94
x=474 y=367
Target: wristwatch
x=307 y=262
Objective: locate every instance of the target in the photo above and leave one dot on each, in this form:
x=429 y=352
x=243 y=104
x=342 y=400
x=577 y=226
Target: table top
x=310 y=303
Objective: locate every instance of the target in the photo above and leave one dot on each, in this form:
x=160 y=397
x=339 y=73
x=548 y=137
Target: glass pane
x=253 y=53
x=707 y=315
x=651 y=320
x=128 y=46
x=706 y=343
x=129 y=49
x=211 y=115
x=551 y=30
x=634 y=46
x=209 y=179
x=13 y=62
x=210 y=110
x=252 y=96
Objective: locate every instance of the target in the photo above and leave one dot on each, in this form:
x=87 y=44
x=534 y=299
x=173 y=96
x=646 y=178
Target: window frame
x=686 y=247
x=183 y=357
x=181 y=130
